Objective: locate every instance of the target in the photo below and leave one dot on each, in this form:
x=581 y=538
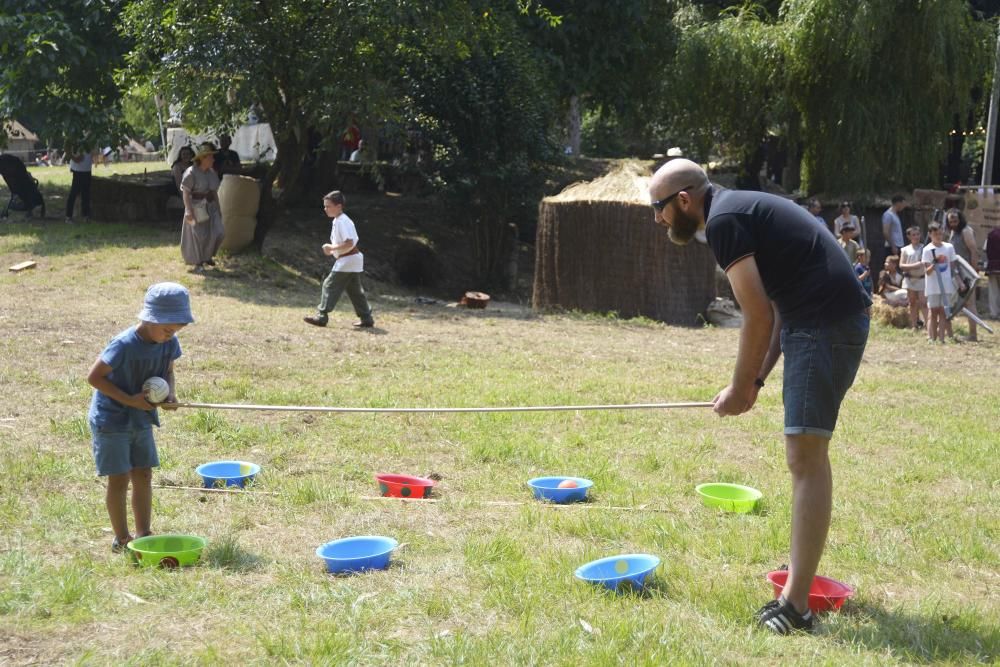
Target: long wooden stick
x=433 y=501
x=519 y=503
x=536 y=408
x=214 y=490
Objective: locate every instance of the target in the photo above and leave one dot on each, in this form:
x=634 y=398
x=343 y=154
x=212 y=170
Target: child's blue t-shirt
x=867 y=282
x=133 y=361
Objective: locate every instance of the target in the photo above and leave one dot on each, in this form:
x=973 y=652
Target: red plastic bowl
x=825 y=594
x=404 y=486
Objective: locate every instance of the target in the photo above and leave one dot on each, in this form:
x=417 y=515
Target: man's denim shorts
x=820 y=365
x=118 y=451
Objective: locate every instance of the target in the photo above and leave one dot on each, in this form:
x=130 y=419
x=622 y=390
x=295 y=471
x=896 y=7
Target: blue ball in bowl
x=547 y=488
x=227 y=473
x=612 y=572
x=357 y=554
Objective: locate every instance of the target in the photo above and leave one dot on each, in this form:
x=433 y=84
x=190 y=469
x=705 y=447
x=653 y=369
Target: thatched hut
x=598 y=250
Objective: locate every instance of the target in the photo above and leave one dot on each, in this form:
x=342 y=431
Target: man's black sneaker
x=780 y=617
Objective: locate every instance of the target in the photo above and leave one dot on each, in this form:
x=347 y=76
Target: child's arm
x=172 y=395
x=340 y=248
x=98 y=379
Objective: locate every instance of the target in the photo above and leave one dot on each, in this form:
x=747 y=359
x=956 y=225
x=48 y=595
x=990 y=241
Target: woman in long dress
x=202 y=229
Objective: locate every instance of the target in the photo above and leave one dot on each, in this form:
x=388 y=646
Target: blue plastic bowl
x=547 y=488
x=227 y=473
x=612 y=571
x=357 y=554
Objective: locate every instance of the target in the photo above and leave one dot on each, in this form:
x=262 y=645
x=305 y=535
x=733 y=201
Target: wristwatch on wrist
x=758 y=383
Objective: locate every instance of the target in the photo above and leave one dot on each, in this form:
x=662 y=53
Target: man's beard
x=683 y=227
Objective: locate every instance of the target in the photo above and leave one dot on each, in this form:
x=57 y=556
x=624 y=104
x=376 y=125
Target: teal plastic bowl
x=547 y=488
x=612 y=572
x=227 y=473
x=729 y=497
x=357 y=554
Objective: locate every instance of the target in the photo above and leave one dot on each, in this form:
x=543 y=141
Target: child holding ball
x=121 y=418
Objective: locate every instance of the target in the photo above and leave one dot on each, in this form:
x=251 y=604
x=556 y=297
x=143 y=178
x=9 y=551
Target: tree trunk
x=574 y=124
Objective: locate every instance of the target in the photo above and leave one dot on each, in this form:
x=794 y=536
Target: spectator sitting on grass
x=890 y=283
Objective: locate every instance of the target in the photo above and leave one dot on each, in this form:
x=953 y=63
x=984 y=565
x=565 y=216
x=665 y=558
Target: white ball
x=156 y=389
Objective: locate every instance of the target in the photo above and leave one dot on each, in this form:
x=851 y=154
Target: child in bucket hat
x=121 y=418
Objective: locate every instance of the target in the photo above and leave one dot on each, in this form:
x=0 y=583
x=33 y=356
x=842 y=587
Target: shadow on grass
x=54 y=238
x=963 y=639
x=653 y=587
x=227 y=554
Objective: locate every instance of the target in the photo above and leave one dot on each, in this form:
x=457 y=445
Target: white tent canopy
x=252 y=142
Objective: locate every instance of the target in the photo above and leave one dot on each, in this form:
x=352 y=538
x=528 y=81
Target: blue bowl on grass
x=613 y=571
x=547 y=488
x=227 y=473
x=357 y=554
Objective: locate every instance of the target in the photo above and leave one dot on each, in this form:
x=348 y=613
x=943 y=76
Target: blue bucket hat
x=167 y=303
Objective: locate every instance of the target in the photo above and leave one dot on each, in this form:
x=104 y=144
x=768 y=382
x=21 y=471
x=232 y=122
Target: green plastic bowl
x=729 y=497
x=166 y=551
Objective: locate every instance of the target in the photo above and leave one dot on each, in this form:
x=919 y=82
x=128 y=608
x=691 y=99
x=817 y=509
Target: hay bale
x=894 y=316
x=598 y=250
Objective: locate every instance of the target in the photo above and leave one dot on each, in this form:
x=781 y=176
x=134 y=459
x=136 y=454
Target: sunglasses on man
x=661 y=204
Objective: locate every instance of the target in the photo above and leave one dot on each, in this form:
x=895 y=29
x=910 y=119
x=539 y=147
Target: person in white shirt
x=938 y=257
x=911 y=265
x=347 y=269
x=845 y=216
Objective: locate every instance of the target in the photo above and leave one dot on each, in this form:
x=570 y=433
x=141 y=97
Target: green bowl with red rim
x=166 y=551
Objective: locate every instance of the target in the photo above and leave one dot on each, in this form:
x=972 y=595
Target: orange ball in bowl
x=568 y=484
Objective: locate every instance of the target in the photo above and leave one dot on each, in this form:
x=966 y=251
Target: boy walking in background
x=121 y=419
x=347 y=269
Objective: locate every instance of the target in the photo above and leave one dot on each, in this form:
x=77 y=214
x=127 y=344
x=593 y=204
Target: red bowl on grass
x=404 y=486
x=825 y=594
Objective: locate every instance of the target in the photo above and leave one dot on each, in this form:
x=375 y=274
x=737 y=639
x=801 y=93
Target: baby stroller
x=24 y=192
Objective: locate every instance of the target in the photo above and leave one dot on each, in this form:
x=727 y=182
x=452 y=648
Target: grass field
x=917 y=483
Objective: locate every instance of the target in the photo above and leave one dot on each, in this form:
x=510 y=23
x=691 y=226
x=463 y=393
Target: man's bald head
x=678 y=191
x=676 y=175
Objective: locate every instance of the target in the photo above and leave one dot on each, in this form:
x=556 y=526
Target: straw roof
x=628 y=182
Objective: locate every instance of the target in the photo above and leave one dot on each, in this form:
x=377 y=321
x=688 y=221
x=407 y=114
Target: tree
x=307 y=64
x=598 y=55
x=878 y=85
x=59 y=58
x=488 y=109
x=724 y=88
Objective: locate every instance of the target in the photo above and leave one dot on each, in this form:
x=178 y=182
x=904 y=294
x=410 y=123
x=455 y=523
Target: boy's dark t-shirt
x=804 y=270
x=133 y=361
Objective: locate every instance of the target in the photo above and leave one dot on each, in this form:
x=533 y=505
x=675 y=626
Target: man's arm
x=970 y=242
x=755 y=338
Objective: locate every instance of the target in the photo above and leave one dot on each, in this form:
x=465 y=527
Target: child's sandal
x=119 y=547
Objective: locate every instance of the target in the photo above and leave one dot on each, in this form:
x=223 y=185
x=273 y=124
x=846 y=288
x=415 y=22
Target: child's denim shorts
x=118 y=451
x=820 y=365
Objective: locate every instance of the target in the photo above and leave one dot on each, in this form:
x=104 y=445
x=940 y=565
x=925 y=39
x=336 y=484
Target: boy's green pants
x=336 y=284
